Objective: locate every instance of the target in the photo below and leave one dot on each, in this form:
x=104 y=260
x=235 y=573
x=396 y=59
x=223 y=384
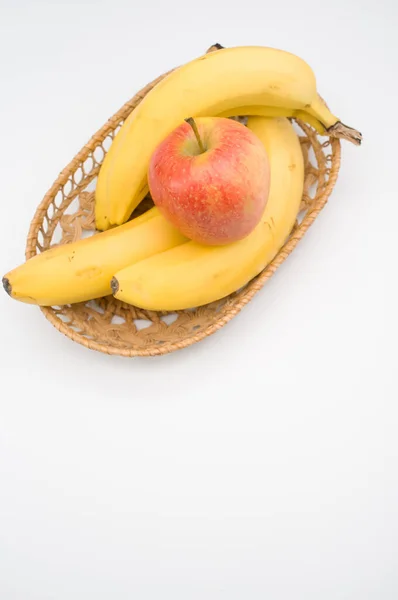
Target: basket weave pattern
x=113 y=327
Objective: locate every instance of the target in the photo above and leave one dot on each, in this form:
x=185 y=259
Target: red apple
x=210 y=178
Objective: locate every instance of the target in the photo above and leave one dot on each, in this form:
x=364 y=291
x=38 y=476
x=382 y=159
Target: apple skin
x=214 y=197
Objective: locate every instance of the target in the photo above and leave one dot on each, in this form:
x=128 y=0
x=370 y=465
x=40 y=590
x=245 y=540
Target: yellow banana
x=271 y=112
x=83 y=270
x=193 y=274
x=208 y=86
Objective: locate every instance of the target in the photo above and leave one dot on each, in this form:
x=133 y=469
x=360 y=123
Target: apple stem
x=192 y=123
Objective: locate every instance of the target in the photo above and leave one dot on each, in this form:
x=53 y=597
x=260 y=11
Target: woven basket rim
x=252 y=287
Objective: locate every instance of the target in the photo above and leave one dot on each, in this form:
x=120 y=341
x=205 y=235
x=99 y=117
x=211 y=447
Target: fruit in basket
x=210 y=178
x=214 y=84
x=83 y=270
x=193 y=274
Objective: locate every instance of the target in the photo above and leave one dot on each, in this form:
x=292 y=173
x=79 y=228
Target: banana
x=83 y=270
x=272 y=112
x=213 y=84
x=192 y=274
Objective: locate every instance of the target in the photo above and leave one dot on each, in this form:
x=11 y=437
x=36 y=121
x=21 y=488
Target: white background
x=262 y=462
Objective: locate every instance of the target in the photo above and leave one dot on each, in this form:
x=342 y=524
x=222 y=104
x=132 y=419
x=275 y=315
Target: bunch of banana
x=148 y=262
x=228 y=82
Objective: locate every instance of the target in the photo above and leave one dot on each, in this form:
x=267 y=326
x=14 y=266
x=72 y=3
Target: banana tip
x=7 y=285
x=114 y=285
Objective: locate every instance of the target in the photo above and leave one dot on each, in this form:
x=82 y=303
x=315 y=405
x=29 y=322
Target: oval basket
x=107 y=325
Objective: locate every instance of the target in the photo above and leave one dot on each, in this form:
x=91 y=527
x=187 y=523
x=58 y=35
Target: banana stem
x=339 y=130
x=192 y=123
x=334 y=127
x=214 y=47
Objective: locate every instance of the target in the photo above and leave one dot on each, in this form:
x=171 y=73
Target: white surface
x=261 y=463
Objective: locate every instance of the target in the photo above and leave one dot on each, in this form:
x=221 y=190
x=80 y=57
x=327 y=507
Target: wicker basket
x=66 y=214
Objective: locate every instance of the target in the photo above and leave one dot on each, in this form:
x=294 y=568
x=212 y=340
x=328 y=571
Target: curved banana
x=83 y=270
x=208 y=86
x=272 y=112
x=193 y=274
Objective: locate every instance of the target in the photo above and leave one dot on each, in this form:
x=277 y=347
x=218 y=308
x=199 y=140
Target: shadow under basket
x=107 y=325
